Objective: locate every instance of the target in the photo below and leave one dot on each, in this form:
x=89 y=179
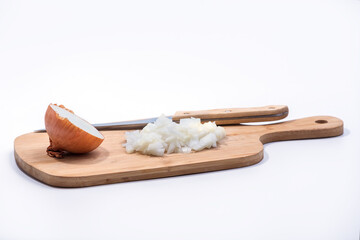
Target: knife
x=225 y=116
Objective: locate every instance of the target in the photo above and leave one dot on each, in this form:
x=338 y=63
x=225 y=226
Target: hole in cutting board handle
x=321 y=121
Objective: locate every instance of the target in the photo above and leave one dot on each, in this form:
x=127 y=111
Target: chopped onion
x=164 y=135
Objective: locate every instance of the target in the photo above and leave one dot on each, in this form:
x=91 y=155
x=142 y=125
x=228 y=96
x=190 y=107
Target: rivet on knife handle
x=228 y=116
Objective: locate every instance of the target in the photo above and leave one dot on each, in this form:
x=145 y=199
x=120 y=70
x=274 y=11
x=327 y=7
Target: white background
x=120 y=60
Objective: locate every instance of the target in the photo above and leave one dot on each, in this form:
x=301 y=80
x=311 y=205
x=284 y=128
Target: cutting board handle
x=311 y=127
x=228 y=116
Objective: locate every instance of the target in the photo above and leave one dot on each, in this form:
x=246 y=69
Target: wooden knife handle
x=236 y=115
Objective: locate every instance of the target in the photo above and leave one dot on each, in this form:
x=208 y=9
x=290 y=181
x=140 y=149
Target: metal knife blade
x=220 y=116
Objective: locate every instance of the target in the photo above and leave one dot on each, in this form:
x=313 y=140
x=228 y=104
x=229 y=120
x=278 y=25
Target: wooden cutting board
x=243 y=146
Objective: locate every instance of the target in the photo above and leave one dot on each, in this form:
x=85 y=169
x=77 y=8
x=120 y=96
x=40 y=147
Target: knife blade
x=224 y=116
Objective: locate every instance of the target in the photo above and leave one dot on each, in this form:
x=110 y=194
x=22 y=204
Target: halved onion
x=68 y=132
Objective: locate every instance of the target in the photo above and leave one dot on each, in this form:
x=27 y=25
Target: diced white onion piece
x=167 y=136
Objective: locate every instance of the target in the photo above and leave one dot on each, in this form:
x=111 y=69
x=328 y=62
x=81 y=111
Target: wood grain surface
x=243 y=146
x=228 y=116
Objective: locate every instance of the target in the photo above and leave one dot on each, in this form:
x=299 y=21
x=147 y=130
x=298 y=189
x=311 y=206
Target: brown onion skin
x=66 y=136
